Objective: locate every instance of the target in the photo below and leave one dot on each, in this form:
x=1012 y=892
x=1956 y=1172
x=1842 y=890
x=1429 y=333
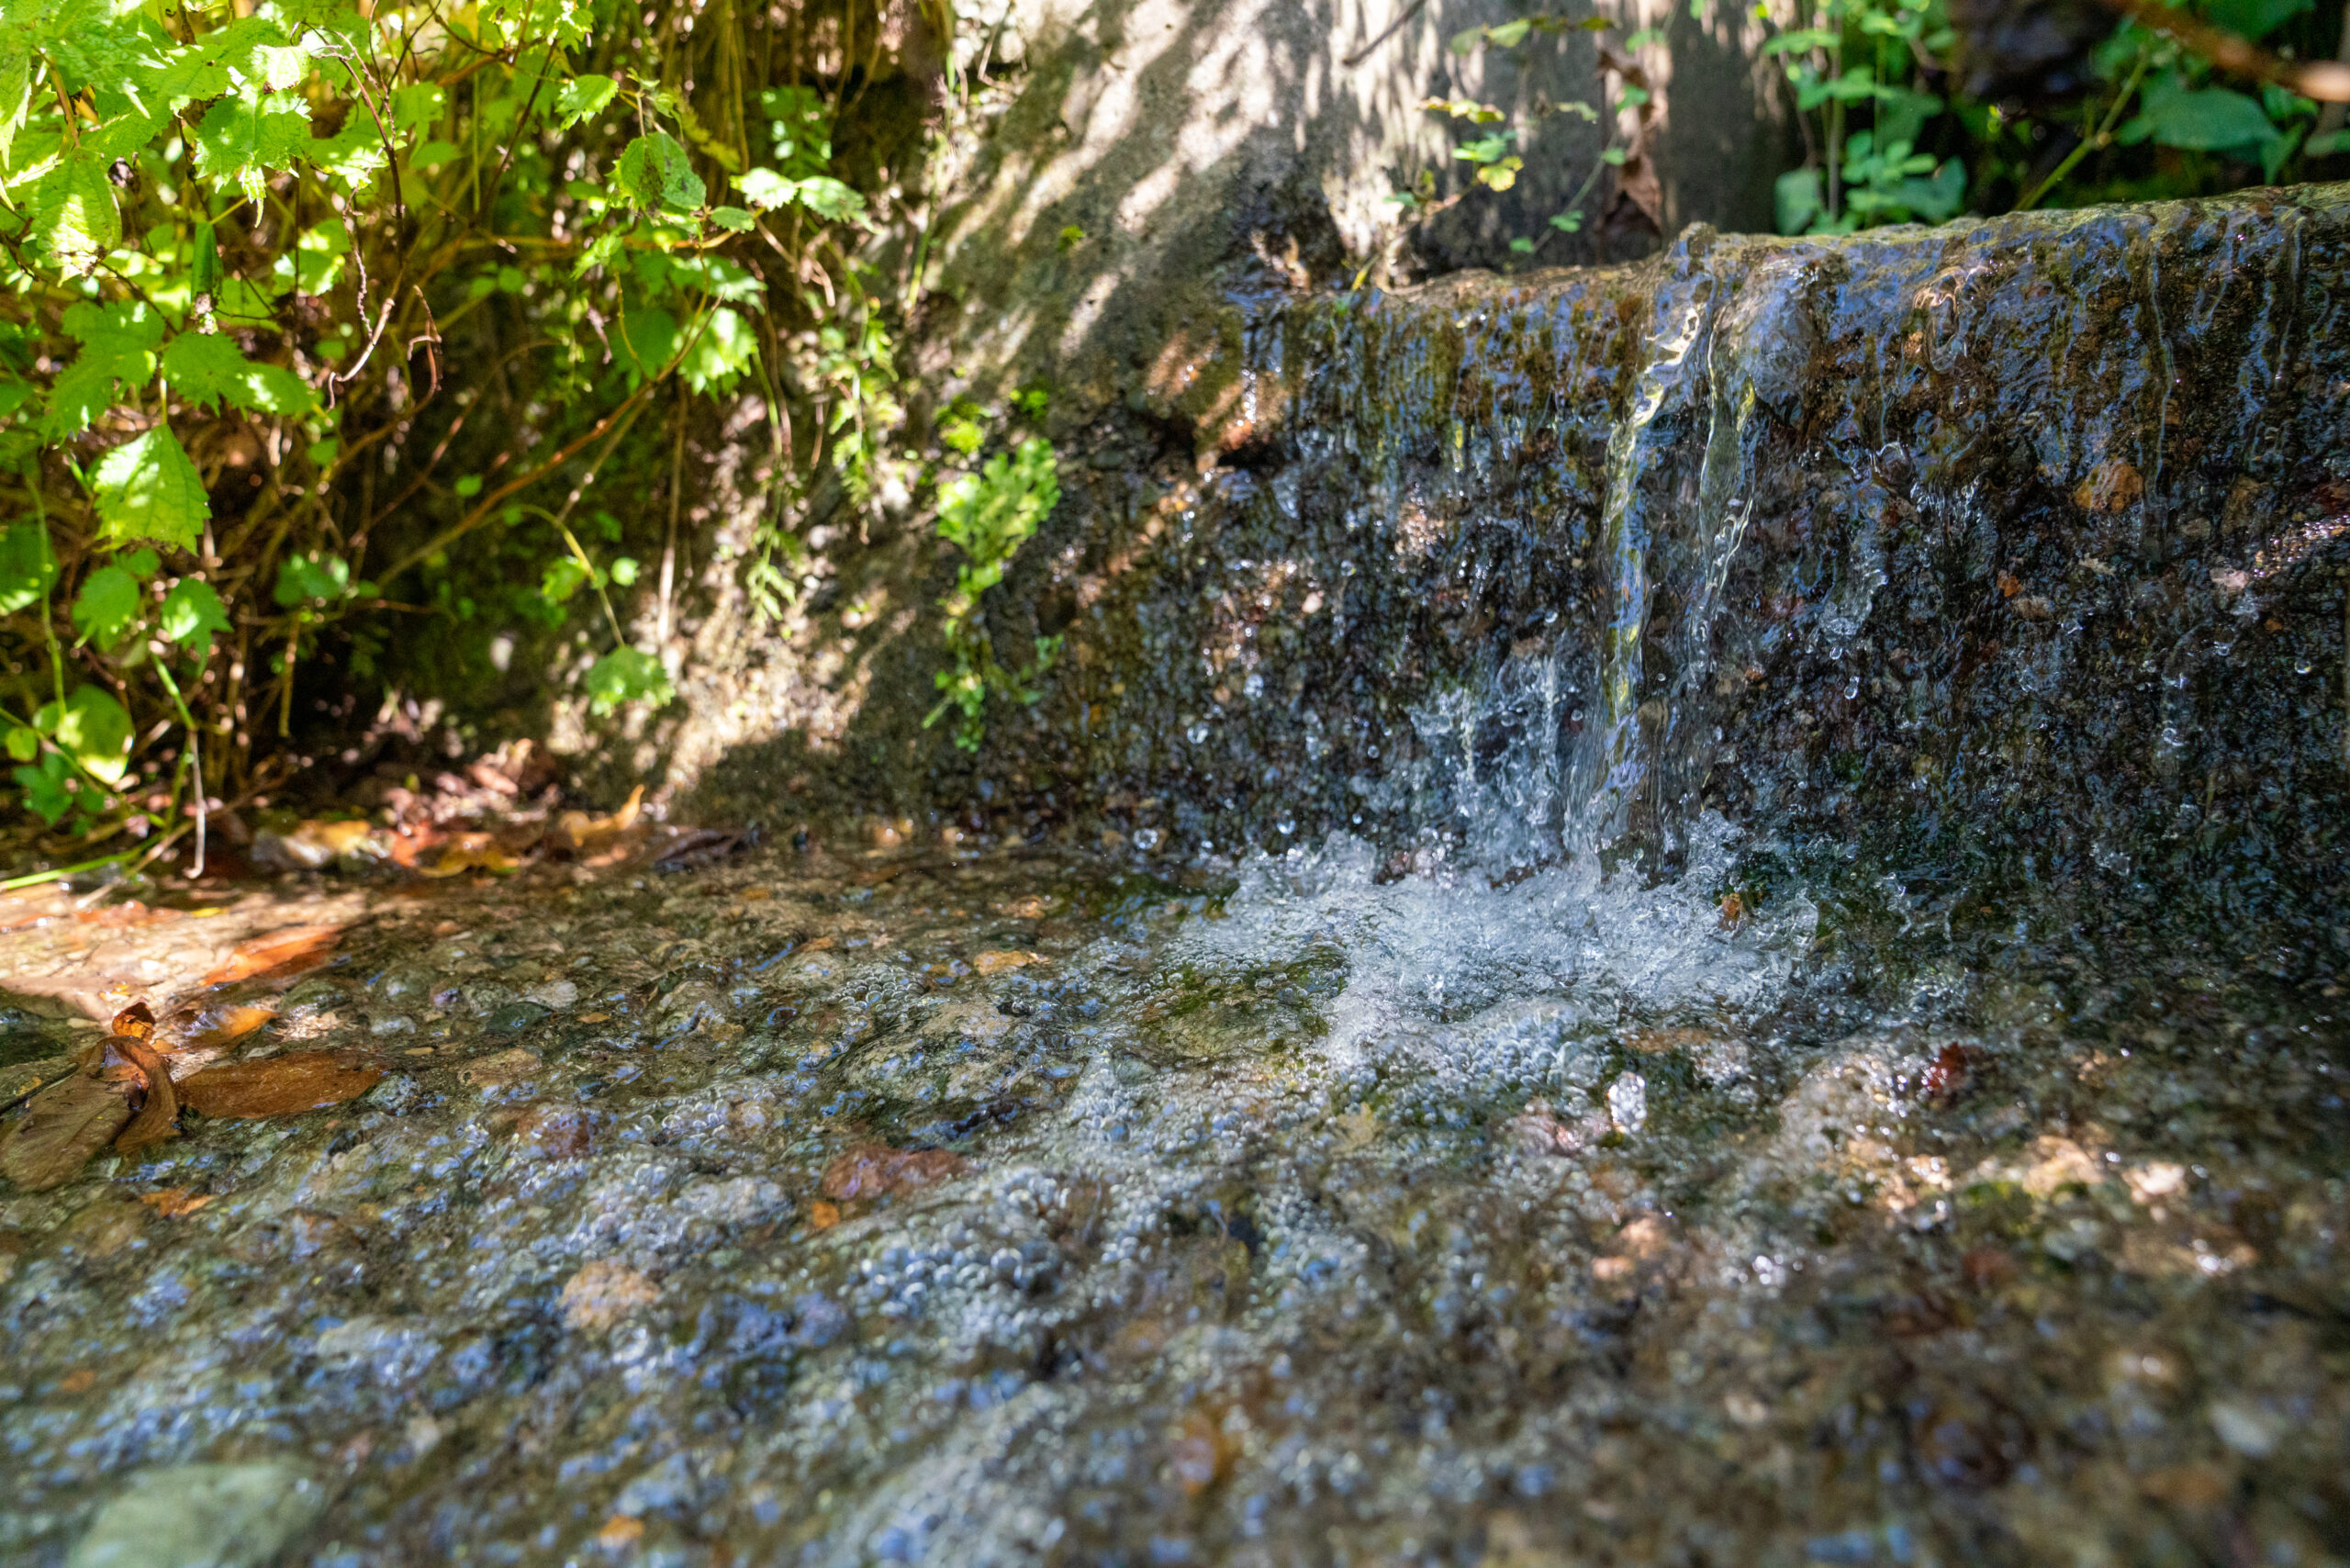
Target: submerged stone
x=202 y=1515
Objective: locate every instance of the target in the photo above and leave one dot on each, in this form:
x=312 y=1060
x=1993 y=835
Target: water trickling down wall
x=2010 y=552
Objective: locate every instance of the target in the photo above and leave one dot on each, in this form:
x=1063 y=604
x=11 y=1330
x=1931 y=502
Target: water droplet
x=1286 y=827
x=1197 y=735
x=2300 y=666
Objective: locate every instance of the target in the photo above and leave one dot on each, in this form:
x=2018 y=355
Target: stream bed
x=1012 y=1207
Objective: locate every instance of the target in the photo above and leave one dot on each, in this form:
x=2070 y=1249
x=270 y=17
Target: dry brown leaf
x=57 y=1133
x=276 y=1086
x=159 y=1112
x=471 y=852
x=21 y=1079
x=620 y=1533
x=823 y=1216
x=578 y=832
x=873 y=1170
x=136 y=1022
x=205 y=1028
x=174 y=1203
x=604 y=1293
x=998 y=960
x=279 y=955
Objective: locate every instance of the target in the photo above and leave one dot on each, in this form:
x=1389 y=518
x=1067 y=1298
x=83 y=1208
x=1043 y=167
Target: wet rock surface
x=2010 y=558
x=1023 y=1208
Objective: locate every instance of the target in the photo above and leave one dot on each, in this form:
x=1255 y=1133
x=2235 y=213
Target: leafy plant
x=247 y=252
x=989 y=515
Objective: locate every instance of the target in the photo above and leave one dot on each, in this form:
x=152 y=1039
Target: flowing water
x=1682 y=1020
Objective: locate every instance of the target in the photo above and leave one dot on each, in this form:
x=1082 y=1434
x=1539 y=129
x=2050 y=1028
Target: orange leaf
x=159 y=1117
x=173 y=1203
x=280 y=955
x=276 y=1086
x=874 y=1169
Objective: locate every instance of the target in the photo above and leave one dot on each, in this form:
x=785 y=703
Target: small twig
x=1405 y=15
x=2327 y=80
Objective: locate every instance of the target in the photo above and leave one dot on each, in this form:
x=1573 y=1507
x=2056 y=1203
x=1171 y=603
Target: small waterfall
x=2005 y=543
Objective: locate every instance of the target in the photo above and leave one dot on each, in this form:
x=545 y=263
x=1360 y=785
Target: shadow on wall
x=1160 y=177
x=1168 y=167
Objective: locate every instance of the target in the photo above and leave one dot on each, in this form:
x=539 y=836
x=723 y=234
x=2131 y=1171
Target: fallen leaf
x=497 y=1072
x=279 y=955
x=595 y=1018
x=1030 y=908
x=700 y=847
x=471 y=852
x=21 y=1079
x=312 y=846
x=620 y=1532
x=276 y=1086
x=136 y=1021
x=173 y=1203
x=81 y=1380
x=1200 y=1455
x=210 y=1028
x=2110 y=486
x=823 y=1216
x=604 y=1293
x=996 y=961
x=873 y=1170
x=159 y=1110
x=578 y=832
x=57 y=1133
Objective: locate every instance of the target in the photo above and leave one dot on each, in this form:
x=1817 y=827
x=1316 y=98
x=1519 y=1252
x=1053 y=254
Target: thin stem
x=2102 y=136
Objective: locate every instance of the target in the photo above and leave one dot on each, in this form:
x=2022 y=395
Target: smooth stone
x=202 y=1515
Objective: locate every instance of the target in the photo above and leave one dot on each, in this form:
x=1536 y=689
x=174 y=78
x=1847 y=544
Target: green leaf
x=303 y=579
x=2210 y=119
x=23 y=740
x=16 y=87
x=27 y=567
x=45 y=785
x=1799 y=199
x=582 y=96
x=118 y=346
x=107 y=606
x=207 y=369
x=624 y=675
x=1801 y=40
x=828 y=197
x=242 y=139
x=192 y=612
x=732 y=217
x=654 y=171
x=419 y=107
x=562 y=578
x=2255 y=18
x=353 y=155
x=648 y=340
x=1509 y=35
x=725 y=350
x=93 y=729
x=74 y=211
x=146 y=489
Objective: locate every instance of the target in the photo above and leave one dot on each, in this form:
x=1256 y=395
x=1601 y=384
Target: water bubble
x=1197 y=735
x=2300 y=666
x=1254 y=687
x=1627 y=1103
x=1146 y=838
x=1286 y=827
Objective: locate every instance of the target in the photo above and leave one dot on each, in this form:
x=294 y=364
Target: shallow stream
x=1011 y=1208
